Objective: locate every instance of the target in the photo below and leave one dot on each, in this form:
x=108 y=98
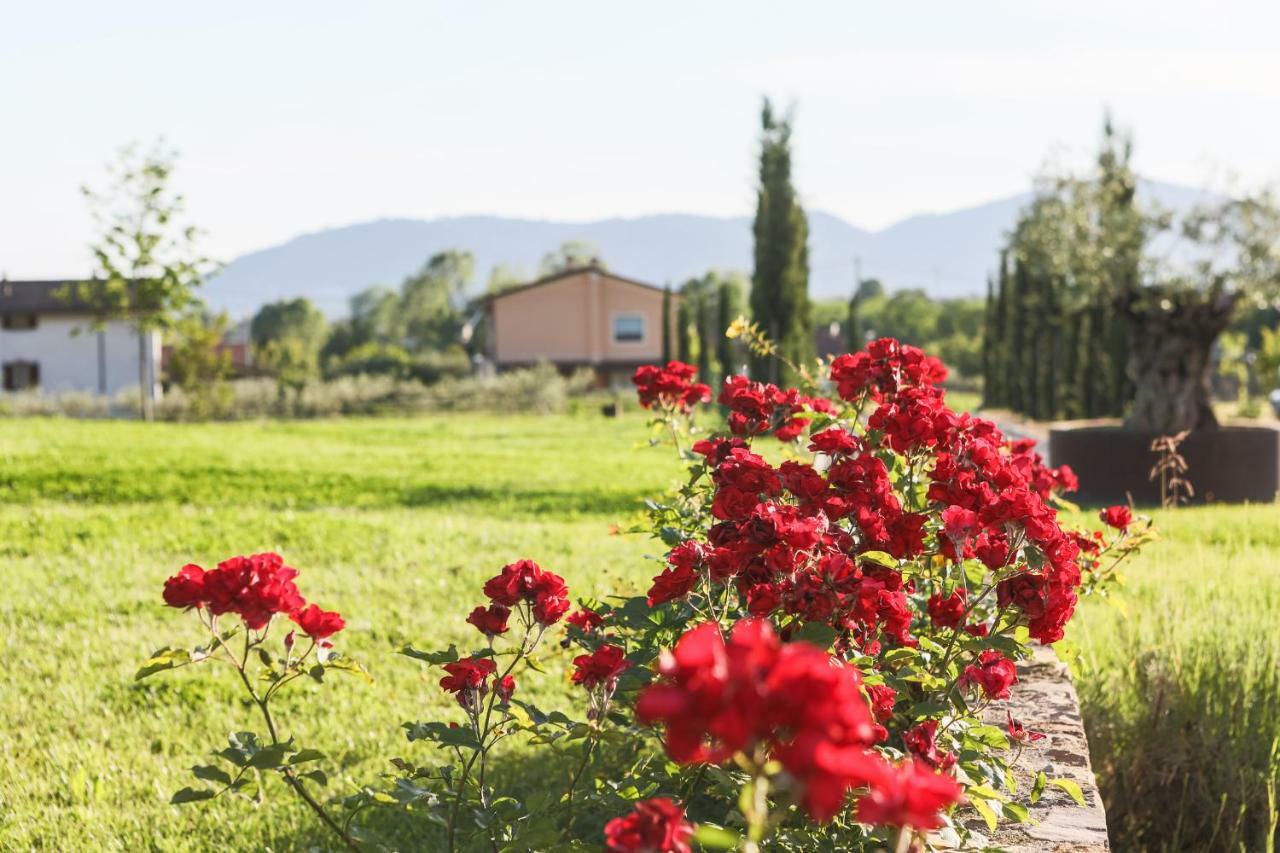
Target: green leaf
x=433 y=658
x=1071 y=787
x=270 y=757
x=989 y=736
x=981 y=807
x=304 y=755
x=819 y=634
x=209 y=773
x=317 y=776
x=162 y=659
x=349 y=666
x=1037 y=789
x=1016 y=812
x=191 y=795
x=880 y=558
x=712 y=837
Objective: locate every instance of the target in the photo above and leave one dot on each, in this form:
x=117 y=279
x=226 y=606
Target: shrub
x=810 y=668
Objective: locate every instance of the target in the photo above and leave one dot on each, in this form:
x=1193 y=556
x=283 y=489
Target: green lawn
x=397 y=522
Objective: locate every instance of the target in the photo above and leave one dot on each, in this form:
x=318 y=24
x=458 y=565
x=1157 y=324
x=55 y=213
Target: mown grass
x=397 y=522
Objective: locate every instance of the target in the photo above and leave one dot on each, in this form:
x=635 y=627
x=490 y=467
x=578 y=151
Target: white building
x=48 y=342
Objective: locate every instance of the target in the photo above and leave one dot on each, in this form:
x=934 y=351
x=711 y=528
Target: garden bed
x=1230 y=464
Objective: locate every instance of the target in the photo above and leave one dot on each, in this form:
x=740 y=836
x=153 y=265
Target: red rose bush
x=850 y=573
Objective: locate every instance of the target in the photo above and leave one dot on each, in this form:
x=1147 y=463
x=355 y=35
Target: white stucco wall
x=70 y=362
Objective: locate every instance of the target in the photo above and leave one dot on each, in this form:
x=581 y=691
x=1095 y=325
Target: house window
x=21 y=375
x=19 y=321
x=628 y=328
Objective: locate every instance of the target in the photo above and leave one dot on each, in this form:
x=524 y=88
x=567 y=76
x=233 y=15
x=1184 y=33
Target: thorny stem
x=263 y=705
x=483 y=731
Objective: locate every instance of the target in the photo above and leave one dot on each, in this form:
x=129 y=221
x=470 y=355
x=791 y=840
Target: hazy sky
x=292 y=117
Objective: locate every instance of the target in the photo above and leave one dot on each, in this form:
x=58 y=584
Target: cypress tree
x=666 y=324
x=728 y=307
x=683 y=344
x=780 y=282
x=999 y=334
x=990 y=344
x=706 y=319
x=1015 y=337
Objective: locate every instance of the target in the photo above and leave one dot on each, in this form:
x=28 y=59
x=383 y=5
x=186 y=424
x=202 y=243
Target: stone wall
x=1044 y=700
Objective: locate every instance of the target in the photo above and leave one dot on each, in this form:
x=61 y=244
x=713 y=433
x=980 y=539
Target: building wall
x=571 y=321
x=84 y=361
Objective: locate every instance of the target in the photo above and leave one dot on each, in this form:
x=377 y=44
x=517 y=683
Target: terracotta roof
x=41 y=297
x=566 y=273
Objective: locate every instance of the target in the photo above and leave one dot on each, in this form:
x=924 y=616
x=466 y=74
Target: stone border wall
x=1044 y=700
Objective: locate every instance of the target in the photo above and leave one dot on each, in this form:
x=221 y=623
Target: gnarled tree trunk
x=1171 y=337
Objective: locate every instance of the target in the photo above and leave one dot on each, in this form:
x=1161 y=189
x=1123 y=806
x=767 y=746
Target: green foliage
x=1268 y=365
x=147 y=269
x=1056 y=340
x=780 y=282
x=710 y=304
x=199 y=367
x=296 y=319
x=948 y=328
x=570 y=255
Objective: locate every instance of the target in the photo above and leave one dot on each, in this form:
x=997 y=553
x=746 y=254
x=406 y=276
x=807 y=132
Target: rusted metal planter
x=1230 y=464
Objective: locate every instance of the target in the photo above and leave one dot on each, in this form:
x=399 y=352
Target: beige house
x=584 y=317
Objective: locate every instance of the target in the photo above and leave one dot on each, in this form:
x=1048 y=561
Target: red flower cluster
x=884 y=368
x=524 y=582
x=670 y=387
x=759 y=407
x=255 y=588
x=653 y=826
x=910 y=794
x=717 y=699
x=603 y=666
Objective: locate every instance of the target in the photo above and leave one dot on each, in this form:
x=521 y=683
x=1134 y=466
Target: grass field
x=397 y=522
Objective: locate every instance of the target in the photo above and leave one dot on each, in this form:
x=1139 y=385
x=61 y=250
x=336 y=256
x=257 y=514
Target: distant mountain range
x=948 y=254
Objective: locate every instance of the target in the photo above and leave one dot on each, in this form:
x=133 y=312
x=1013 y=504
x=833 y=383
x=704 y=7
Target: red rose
x=835 y=441
x=186 y=588
x=318 y=624
x=490 y=621
x=993 y=672
x=1118 y=517
x=516 y=581
x=921 y=742
x=910 y=794
x=467 y=677
x=1019 y=733
x=255 y=588
x=958 y=523
x=948 y=612
x=653 y=826
x=603 y=666
x=584 y=619
x=505 y=687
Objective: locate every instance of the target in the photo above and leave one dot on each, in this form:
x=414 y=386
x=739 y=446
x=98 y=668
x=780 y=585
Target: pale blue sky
x=294 y=116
